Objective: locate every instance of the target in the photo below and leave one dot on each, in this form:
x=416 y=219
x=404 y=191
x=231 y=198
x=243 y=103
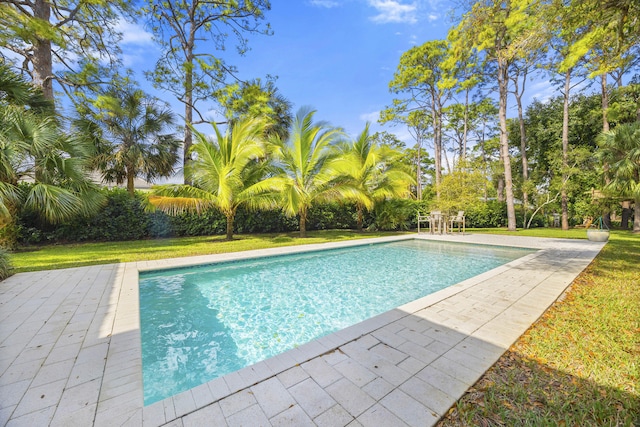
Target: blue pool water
x=202 y=322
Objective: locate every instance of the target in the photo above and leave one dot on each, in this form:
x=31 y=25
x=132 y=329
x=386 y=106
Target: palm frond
x=179 y=205
x=53 y=203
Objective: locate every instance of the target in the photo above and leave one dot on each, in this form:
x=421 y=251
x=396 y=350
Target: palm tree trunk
x=303 y=222
x=130 y=186
x=360 y=216
x=230 y=217
x=636 y=214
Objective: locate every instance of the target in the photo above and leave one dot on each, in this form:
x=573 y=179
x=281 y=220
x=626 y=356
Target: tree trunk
x=500 y=189
x=419 y=171
x=303 y=222
x=636 y=215
x=437 y=145
x=188 y=94
x=626 y=214
x=504 y=143
x=565 y=151
x=130 y=185
x=188 y=119
x=605 y=102
x=523 y=148
x=465 y=129
x=230 y=218
x=446 y=160
x=42 y=61
x=605 y=128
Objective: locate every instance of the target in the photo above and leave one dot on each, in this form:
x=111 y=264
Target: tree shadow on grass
x=521 y=391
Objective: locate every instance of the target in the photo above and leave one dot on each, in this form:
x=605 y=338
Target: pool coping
x=114 y=334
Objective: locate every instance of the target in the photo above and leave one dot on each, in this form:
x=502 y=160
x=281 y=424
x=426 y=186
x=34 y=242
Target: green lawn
x=83 y=254
x=573 y=233
x=579 y=365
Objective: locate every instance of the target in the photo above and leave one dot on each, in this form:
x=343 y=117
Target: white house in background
x=138 y=183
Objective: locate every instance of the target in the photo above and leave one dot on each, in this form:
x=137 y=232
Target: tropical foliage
x=129 y=131
x=375 y=170
x=307 y=174
x=620 y=151
x=227 y=172
x=34 y=150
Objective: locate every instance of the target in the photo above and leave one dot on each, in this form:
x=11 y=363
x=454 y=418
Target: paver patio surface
x=70 y=350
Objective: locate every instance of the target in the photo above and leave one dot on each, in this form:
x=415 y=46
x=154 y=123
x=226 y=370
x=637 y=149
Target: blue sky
x=336 y=56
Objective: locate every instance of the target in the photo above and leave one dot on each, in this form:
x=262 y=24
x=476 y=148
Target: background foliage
x=124 y=218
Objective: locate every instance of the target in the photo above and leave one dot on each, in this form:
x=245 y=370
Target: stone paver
x=70 y=348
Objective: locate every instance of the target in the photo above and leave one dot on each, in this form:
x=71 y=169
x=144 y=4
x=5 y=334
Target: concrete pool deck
x=70 y=348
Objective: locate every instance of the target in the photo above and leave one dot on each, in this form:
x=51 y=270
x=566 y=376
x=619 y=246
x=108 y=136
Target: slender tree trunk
x=565 y=151
x=523 y=147
x=303 y=222
x=188 y=118
x=230 y=217
x=626 y=214
x=636 y=214
x=419 y=171
x=465 y=129
x=188 y=99
x=605 y=128
x=605 y=102
x=446 y=160
x=42 y=61
x=130 y=185
x=503 y=81
x=437 y=144
x=500 y=189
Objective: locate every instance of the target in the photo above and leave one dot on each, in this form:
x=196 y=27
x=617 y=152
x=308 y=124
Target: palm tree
x=305 y=161
x=620 y=150
x=129 y=129
x=376 y=171
x=34 y=150
x=227 y=172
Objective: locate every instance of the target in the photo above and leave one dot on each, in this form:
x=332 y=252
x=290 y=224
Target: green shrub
x=332 y=216
x=269 y=221
x=395 y=214
x=122 y=218
x=487 y=215
x=5 y=264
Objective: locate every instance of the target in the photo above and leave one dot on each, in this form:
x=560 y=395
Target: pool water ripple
x=203 y=322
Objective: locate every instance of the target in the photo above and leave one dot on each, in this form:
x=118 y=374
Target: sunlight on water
x=203 y=322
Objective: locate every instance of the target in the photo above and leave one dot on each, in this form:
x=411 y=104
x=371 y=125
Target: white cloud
x=433 y=17
x=133 y=34
x=542 y=91
x=325 y=3
x=392 y=11
x=370 y=117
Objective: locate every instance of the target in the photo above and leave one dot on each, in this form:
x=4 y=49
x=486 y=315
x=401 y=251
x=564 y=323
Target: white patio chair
x=436 y=222
x=458 y=220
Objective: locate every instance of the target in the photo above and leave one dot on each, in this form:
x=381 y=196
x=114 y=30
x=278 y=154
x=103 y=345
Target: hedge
x=124 y=218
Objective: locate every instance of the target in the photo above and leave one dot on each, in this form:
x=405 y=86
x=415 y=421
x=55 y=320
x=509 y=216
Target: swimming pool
x=200 y=323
